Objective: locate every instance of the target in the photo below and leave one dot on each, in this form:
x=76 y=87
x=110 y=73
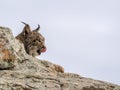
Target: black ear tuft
x=37 y=29
x=26 y=29
x=24 y=23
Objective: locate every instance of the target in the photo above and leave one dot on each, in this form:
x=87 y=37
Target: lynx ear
x=26 y=29
x=37 y=29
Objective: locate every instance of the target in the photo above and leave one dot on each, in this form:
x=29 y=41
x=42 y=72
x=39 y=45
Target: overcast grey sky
x=81 y=35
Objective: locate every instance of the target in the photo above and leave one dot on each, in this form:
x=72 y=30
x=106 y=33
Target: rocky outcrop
x=20 y=71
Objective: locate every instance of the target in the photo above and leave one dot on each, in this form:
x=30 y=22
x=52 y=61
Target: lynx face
x=35 y=44
x=33 y=41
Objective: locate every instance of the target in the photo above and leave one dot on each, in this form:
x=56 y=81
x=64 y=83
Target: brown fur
x=53 y=67
x=33 y=41
x=59 y=68
x=34 y=44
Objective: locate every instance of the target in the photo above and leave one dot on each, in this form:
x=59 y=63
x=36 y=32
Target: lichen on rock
x=20 y=71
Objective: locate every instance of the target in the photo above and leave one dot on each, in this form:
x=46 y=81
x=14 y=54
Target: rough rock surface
x=19 y=71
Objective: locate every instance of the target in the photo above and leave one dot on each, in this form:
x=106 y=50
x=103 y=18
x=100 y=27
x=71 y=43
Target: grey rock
x=20 y=71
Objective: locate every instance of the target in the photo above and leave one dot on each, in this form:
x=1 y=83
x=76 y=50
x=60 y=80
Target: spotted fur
x=33 y=41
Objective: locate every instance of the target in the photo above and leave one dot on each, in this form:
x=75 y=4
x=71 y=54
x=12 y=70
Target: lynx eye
x=34 y=40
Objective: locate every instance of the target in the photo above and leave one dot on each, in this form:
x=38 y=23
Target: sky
x=83 y=36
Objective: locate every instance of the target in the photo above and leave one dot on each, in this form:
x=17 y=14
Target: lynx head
x=33 y=41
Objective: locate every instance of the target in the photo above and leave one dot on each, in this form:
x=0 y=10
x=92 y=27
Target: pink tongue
x=43 y=50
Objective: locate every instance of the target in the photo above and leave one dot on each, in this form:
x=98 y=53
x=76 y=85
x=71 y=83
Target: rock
x=20 y=71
